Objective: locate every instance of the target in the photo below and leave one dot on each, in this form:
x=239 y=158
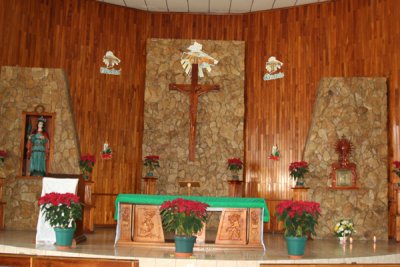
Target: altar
x=240 y=223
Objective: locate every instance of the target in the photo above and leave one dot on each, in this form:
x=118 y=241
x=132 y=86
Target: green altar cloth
x=213 y=202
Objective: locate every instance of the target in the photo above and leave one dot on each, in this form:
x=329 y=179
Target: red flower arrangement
x=299 y=217
x=61 y=210
x=298 y=169
x=86 y=163
x=235 y=164
x=151 y=162
x=184 y=217
x=396 y=168
x=3 y=155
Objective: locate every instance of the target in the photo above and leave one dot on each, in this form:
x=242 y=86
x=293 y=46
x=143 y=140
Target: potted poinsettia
x=61 y=210
x=297 y=171
x=86 y=163
x=185 y=218
x=396 y=168
x=3 y=155
x=151 y=162
x=235 y=165
x=299 y=220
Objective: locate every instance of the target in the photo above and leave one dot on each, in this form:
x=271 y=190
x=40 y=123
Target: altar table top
x=213 y=202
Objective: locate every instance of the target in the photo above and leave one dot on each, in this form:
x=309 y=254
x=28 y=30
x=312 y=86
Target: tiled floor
x=101 y=245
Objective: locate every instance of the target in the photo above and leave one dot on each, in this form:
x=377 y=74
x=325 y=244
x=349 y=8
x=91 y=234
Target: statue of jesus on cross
x=194 y=90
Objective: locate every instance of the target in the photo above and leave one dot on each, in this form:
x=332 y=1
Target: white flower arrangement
x=344 y=227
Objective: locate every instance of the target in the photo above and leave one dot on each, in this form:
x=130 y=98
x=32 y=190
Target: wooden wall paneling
x=15 y=260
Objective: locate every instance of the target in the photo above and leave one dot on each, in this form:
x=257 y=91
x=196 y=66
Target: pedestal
x=300 y=193
x=150 y=185
x=235 y=188
x=88 y=215
x=2 y=204
x=189 y=185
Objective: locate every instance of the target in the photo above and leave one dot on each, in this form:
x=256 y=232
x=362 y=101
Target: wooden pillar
x=252 y=187
x=397 y=216
x=150 y=185
x=2 y=204
x=235 y=188
x=88 y=215
x=300 y=193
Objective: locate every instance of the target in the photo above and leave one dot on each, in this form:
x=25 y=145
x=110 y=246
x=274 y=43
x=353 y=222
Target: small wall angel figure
x=275 y=154
x=106 y=153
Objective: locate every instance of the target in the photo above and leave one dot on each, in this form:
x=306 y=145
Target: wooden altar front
x=240 y=226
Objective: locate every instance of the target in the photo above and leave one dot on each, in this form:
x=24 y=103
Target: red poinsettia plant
x=152 y=162
x=61 y=209
x=86 y=163
x=299 y=217
x=396 y=168
x=182 y=216
x=3 y=155
x=298 y=169
x=235 y=164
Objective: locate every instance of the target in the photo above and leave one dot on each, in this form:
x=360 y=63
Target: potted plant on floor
x=61 y=210
x=299 y=220
x=343 y=229
x=186 y=219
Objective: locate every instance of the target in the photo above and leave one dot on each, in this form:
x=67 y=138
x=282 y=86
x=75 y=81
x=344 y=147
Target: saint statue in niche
x=38 y=148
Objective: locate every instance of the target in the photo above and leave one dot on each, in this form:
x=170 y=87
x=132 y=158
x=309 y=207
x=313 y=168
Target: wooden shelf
x=344 y=188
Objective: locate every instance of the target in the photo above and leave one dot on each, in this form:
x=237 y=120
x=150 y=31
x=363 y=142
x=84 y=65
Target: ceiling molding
x=210 y=6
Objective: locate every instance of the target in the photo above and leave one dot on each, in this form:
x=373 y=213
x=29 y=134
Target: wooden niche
x=30 y=122
x=343 y=174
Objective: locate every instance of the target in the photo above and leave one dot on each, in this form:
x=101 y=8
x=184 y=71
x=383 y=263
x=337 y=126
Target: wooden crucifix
x=194 y=90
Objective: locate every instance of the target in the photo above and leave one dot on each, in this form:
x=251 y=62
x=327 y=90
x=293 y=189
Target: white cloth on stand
x=44 y=232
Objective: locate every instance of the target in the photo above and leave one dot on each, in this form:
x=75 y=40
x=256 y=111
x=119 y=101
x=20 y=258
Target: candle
x=351 y=240
x=374 y=239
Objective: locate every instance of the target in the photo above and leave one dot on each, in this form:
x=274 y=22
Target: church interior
x=242 y=110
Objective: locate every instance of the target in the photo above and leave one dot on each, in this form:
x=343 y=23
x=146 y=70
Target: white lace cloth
x=44 y=232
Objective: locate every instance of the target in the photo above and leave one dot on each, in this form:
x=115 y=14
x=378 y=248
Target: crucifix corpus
x=194 y=90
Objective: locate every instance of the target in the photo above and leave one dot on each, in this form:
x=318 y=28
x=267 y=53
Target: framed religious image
x=37 y=137
x=343 y=177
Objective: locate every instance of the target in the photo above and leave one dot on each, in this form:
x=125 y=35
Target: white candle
x=374 y=239
x=351 y=240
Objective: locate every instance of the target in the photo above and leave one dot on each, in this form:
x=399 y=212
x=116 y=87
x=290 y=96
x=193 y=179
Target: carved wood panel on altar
x=147 y=225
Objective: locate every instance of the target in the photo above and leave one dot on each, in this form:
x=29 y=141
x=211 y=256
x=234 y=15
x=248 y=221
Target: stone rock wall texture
x=220 y=120
x=356 y=108
x=22 y=89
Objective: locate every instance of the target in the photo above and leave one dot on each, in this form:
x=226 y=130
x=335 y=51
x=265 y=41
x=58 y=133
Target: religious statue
x=38 y=148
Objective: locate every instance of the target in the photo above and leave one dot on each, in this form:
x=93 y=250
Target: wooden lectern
x=189 y=185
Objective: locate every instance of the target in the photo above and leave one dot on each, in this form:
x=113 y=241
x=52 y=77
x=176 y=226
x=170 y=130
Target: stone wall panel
x=356 y=108
x=22 y=89
x=220 y=116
